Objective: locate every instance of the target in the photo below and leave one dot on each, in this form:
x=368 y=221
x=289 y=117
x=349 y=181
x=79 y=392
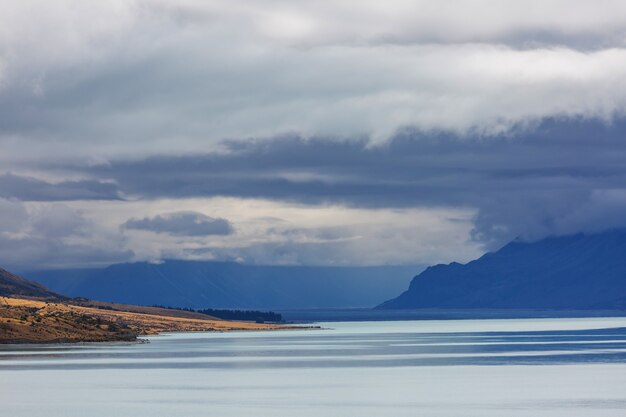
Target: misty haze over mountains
x=197 y=284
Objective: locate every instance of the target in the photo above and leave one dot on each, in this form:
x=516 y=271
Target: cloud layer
x=456 y=125
x=126 y=77
x=27 y=188
x=531 y=182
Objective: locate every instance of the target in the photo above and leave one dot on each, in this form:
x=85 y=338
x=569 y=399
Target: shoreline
x=141 y=339
x=36 y=322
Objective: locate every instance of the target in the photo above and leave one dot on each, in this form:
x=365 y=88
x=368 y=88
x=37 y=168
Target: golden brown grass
x=25 y=320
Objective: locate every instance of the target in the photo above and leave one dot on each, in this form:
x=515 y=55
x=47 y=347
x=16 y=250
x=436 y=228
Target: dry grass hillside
x=12 y=285
x=38 y=321
x=31 y=313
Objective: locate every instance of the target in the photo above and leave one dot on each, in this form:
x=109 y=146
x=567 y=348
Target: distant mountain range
x=577 y=272
x=198 y=284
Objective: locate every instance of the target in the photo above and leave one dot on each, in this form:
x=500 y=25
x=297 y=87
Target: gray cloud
x=54 y=235
x=556 y=177
x=70 y=87
x=183 y=223
x=524 y=183
x=383 y=244
x=13 y=215
x=512 y=110
x=32 y=189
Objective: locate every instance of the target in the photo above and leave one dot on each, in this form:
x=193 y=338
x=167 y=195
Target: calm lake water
x=500 y=368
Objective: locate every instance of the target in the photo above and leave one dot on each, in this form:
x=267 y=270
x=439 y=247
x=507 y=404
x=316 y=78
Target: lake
x=464 y=368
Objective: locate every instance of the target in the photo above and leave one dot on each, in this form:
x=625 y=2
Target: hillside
x=32 y=321
x=13 y=285
x=572 y=272
x=196 y=284
x=30 y=313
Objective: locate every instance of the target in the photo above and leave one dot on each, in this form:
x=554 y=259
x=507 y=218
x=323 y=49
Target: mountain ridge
x=582 y=271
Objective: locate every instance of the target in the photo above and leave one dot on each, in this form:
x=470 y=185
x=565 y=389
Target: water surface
x=522 y=367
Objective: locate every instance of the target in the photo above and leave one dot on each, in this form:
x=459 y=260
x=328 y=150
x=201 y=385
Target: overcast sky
x=344 y=132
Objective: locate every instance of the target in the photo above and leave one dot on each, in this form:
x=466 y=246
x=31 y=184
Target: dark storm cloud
x=414 y=168
x=33 y=189
x=183 y=223
x=526 y=183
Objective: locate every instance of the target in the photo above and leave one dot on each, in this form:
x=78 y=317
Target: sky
x=337 y=132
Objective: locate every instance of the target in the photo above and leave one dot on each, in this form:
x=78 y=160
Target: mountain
x=199 y=284
x=577 y=272
x=13 y=285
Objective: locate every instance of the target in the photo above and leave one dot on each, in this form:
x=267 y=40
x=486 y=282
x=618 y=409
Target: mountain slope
x=570 y=272
x=13 y=285
x=198 y=284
